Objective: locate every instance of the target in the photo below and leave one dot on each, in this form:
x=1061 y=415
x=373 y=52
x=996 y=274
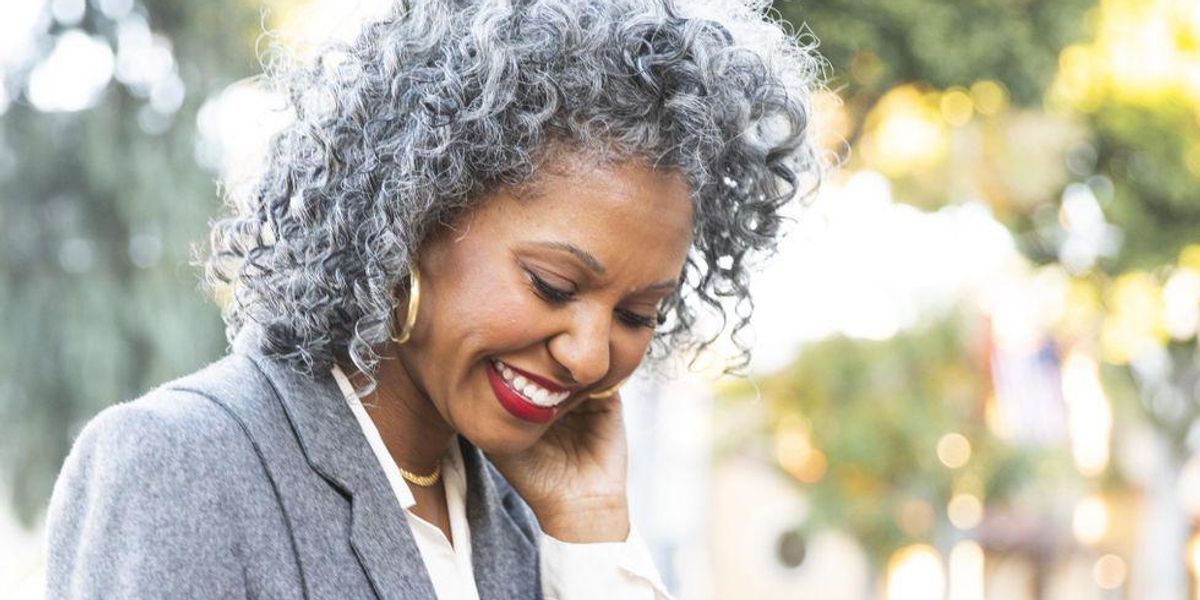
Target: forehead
x=626 y=213
x=586 y=185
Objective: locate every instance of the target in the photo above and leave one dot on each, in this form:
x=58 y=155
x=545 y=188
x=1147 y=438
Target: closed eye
x=555 y=295
x=548 y=292
x=633 y=319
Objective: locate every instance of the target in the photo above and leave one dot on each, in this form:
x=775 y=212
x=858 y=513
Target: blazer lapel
x=336 y=449
x=504 y=555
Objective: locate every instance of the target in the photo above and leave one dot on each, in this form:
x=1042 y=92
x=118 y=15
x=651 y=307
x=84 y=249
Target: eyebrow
x=594 y=264
x=587 y=258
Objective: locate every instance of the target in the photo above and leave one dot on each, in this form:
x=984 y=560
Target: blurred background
x=977 y=372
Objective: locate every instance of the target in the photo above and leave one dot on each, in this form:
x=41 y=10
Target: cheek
x=627 y=355
x=498 y=318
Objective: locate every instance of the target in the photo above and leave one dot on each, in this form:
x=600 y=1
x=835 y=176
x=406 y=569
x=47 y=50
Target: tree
x=98 y=210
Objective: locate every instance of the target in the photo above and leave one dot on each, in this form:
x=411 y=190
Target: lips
x=515 y=403
x=534 y=388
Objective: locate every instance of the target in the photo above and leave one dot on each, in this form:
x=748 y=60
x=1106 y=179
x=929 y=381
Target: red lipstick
x=550 y=386
x=514 y=403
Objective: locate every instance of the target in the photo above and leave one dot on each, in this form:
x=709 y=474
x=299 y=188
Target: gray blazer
x=245 y=479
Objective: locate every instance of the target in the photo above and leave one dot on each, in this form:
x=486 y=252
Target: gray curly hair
x=433 y=105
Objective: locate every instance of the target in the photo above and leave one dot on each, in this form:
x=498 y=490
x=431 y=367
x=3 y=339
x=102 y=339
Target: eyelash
x=556 y=296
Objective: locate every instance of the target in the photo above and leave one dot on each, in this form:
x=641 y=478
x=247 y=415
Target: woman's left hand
x=574 y=476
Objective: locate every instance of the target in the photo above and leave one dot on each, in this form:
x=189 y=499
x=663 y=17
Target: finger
x=598 y=405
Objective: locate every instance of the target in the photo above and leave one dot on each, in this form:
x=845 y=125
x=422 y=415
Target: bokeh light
x=1090 y=521
x=1090 y=417
x=954 y=450
x=74 y=75
x=1110 y=572
x=915 y=573
x=966 y=568
x=965 y=510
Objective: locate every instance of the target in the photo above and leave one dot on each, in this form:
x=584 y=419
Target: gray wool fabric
x=246 y=479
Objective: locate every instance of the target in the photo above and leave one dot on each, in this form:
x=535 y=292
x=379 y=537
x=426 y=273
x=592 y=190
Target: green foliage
x=877 y=411
x=1149 y=150
x=876 y=44
x=97 y=215
x=1144 y=150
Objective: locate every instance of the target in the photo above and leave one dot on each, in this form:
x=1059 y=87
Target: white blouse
x=570 y=571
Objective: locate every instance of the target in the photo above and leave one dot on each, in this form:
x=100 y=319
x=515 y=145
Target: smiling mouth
x=528 y=401
x=529 y=390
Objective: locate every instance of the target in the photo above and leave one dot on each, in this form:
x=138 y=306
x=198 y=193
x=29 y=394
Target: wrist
x=586 y=521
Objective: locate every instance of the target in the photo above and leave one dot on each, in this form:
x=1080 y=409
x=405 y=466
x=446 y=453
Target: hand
x=574 y=476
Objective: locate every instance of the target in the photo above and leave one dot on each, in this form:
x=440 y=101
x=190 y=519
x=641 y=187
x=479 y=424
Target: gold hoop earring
x=608 y=393
x=414 y=301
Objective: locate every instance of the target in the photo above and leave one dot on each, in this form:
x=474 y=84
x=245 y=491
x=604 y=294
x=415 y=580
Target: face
x=559 y=282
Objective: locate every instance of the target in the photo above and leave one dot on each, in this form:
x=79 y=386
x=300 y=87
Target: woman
x=485 y=215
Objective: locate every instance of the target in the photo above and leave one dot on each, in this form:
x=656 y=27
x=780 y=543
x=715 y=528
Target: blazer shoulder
x=167 y=428
x=187 y=413
x=154 y=486
x=233 y=380
x=178 y=441
x=182 y=432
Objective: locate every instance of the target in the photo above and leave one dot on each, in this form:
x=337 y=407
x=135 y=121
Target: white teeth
x=532 y=392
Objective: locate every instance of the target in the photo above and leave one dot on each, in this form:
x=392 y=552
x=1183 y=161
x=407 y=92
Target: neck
x=414 y=432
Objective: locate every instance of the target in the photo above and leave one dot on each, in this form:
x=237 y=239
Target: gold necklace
x=421 y=480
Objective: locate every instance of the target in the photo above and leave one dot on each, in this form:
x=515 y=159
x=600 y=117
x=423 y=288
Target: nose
x=583 y=347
